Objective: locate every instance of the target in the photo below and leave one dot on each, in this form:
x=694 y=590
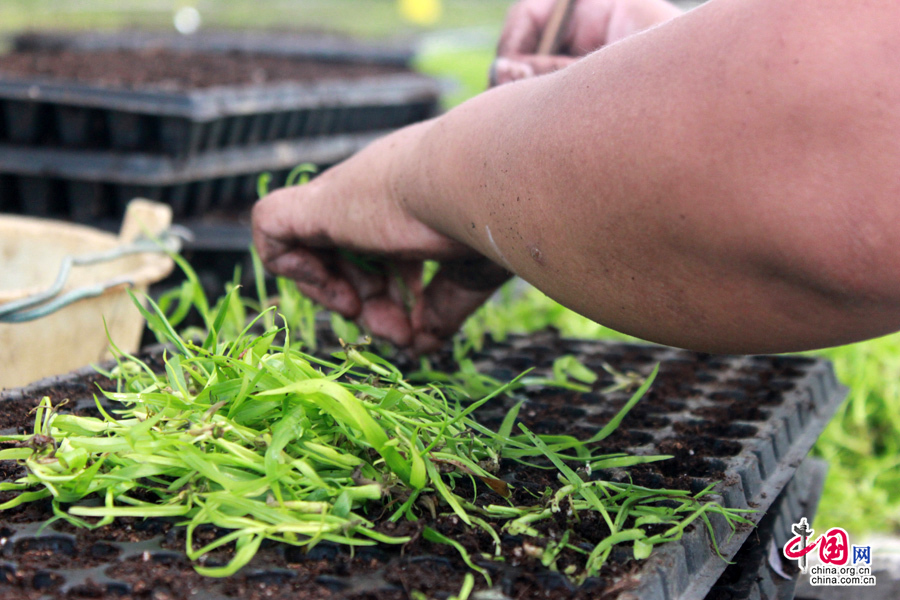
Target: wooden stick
x=551 y=38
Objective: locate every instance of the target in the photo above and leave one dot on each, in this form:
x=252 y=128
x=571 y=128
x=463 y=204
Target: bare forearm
x=717 y=182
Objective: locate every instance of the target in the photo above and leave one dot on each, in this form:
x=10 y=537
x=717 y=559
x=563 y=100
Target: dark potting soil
x=175 y=70
x=145 y=559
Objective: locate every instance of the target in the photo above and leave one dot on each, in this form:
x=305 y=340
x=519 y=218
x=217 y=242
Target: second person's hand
x=592 y=25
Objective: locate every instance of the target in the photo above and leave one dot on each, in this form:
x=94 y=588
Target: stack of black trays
x=80 y=151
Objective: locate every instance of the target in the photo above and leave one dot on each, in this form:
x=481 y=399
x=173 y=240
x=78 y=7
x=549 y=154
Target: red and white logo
x=841 y=563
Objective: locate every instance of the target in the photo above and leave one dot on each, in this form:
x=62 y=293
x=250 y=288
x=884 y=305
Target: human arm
x=725 y=182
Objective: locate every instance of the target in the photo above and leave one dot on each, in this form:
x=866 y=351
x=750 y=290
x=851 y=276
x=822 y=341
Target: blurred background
x=454 y=41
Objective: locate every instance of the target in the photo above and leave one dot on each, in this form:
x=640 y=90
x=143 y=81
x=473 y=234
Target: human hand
x=592 y=25
x=350 y=245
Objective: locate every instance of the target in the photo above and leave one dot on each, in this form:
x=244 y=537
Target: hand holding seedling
x=350 y=244
x=591 y=25
x=725 y=181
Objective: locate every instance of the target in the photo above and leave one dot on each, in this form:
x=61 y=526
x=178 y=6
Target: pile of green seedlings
x=249 y=433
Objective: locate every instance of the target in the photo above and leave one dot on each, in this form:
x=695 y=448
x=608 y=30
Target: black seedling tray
x=752 y=576
x=744 y=422
x=183 y=124
x=87 y=186
x=778 y=406
x=318 y=45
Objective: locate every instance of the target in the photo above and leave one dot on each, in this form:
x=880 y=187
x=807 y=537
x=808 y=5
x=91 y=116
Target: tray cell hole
x=95 y=590
x=691 y=427
x=716 y=465
x=768 y=397
x=233 y=131
x=394 y=116
x=87 y=200
x=728 y=396
x=734 y=431
x=553 y=581
x=403 y=114
x=358 y=118
x=782 y=385
x=203 y=196
x=632 y=437
x=275 y=124
x=258 y=126
x=271 y=577
x=104 y=550
x=323 y=551
x=743 y=382
x=42 y=197
x=212 y=135
x=502 y=374
x=636 y=359
x=688 y=390
x=704 y=376
x=72 y=125
x=698 y=484
x=294 y=124
x=368 y=118
x=178 y=198
x=518 y=362
x=52 y=543
x=546 y=392
x=426 y=110
x=27 y=122
x=430 y=561
x=9 y=195
x=177 y=136
x=7 y=574
x=318 y=122
x=117 y=588
x=738 y=411
x=722 y=447
x=130 y=131
x=343 y=115
x=547 y=426
x=389 y=117
x=675 y=405
x=331 y=583
x=648 y=420
x=227 y=191
x=43 y=580
x=246 y=194
x=371 y=553
x=792 y=361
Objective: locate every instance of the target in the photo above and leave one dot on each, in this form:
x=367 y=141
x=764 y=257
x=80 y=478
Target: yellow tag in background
x=420 y=12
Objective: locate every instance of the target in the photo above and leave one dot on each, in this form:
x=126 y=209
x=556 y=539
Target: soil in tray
x=384 y=573
x=174 y=70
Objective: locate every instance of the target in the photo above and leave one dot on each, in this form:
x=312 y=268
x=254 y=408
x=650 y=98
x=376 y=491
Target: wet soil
x=174 y=70
x=699 y=440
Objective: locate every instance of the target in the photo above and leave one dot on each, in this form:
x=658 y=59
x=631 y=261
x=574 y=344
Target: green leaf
x=433 y=536
x=642 y=549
